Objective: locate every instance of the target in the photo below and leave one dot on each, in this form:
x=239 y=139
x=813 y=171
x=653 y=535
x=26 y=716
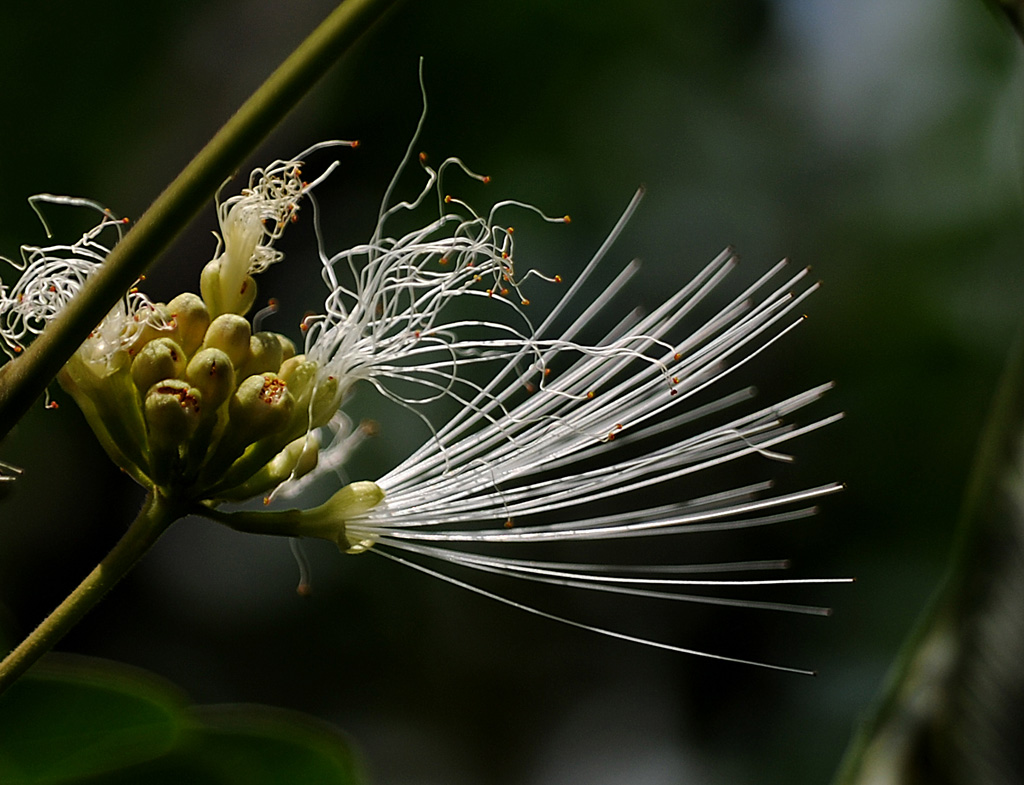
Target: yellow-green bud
x=289 y=366
x=159 y=359
x=265 y=354
x=211 y=372
x=325 y=402
x=223 y=295
x=230 y=333
x=261 y=405
x=191 y=320
x=172 y=412
x=287 y=347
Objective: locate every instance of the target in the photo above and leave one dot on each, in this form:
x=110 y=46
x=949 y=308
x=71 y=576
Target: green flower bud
x=223 y=292
x=261 y=405
x=191 y=320
x=265 y=354
x=289 y=366
x=230 y=333
x=211 y=372
x=287 y=347
x=172 y=411
x=325 y=402
x=159 y=359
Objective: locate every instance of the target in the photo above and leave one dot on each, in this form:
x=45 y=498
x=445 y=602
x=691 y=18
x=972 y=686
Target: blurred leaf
x=954 y=706
x=77 y=721
x=74 y=719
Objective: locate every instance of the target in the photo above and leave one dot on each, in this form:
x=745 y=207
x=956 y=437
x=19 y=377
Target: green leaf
x=73 y=719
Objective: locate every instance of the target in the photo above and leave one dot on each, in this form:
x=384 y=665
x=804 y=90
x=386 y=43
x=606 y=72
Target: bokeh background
x=877 y=141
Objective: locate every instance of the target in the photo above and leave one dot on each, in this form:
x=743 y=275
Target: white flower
x=250 y=222
x=382 y=319
x=565 y=440
x=52 y=275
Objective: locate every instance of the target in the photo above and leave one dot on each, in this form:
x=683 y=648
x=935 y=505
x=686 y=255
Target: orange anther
x=566 y=219
x=590 y=394
x=447 y=199
x=558 y=279
x=525 y=301
x=423 y=158
x=485 y=179
x=355 y=143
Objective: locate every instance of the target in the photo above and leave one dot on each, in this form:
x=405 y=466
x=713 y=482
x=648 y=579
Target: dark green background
x=877 y=141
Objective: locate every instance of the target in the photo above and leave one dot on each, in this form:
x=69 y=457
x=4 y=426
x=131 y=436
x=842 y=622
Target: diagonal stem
x=152 y=521
x=22 y=381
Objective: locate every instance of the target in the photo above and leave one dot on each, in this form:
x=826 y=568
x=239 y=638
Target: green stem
x=24 y=380
x=154 y=518
x=280 y=523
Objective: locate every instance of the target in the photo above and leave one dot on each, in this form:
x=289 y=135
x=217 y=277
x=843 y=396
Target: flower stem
x=152 y=521
x=23 y=380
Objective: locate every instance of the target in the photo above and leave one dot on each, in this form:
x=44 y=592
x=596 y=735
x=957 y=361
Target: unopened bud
x=211 y=372
x=287 y=347
x=265 y=354
x=230 y=333
x=261 y=405
x=159 y=359
x=191 y=320
x=172 y=412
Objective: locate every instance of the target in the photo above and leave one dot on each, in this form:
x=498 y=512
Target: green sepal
x=113 y=409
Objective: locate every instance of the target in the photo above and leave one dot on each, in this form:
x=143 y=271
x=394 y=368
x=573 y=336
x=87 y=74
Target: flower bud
x=289 y=366
x=225 y=292
x=211 y=372
x=172 y=411
x=191 y=320
x=325 y=402
x=261 y=405
x=159 y=359
x=287 y=347
x=265 y=354
x=230 y=333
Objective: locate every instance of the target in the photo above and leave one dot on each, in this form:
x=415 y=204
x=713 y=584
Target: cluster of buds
x=204 y=407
